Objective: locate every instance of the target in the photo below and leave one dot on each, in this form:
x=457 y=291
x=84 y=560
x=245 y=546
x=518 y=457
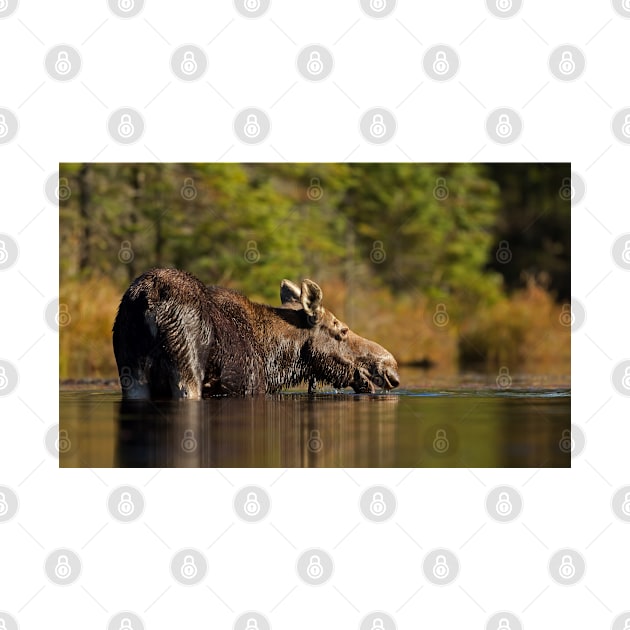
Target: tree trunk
x=85 y=196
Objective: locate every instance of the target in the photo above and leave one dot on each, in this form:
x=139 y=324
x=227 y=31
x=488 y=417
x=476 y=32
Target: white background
x=252 y=63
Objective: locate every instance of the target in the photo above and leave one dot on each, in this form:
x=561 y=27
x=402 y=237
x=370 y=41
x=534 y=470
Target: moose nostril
x=392 y=377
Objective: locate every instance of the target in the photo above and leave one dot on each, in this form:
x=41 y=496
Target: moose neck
x=281 y=335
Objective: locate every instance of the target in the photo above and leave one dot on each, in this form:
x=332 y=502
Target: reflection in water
x=405 y=429
x=279 y=431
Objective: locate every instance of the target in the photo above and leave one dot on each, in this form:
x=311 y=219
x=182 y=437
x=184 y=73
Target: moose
x=176 y=338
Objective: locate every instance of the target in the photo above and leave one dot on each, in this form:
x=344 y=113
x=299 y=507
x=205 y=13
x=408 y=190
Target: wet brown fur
x=174 y=337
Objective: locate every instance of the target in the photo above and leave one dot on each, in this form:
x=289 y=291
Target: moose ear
x=290 y=292
x=311 y=298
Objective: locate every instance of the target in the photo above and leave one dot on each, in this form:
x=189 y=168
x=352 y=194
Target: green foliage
x=435 y=226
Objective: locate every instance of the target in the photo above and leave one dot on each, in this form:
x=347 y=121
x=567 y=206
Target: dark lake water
x=465 y=425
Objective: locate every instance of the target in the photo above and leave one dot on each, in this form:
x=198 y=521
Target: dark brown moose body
x=174 y=337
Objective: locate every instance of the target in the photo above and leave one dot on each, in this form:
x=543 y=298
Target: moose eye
x=344 y=331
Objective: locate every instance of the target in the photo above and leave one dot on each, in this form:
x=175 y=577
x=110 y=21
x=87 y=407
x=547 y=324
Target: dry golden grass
x=85 y=344
x=528 y=332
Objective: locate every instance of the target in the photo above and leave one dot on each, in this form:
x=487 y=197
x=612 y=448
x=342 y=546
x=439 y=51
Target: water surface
x=462 y=426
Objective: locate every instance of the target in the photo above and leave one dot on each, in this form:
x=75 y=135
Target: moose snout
x=391 y=376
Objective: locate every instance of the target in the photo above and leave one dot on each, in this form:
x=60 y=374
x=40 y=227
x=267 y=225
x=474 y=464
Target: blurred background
x=453 y=267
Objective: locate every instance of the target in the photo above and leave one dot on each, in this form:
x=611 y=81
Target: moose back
x=174 y=337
